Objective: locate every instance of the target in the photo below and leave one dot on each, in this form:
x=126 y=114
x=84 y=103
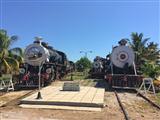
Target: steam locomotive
x=122 y=70
x=40 y=58
x=119 y=68
x=98 y=68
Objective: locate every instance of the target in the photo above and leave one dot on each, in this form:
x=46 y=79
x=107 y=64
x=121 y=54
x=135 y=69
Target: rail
x=148 y=100
x=122 y=107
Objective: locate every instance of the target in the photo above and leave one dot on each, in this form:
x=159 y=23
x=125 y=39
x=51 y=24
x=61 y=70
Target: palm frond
x=18 y=58
x=16 y=51
x=6 y=65
x=12 y=40
x=13 y=63
x=144 y=42
x=140 y=36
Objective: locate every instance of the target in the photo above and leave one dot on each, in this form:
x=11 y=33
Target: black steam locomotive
x=40 y=58
x=98 y=68
x=122 y=70
x=118 y=68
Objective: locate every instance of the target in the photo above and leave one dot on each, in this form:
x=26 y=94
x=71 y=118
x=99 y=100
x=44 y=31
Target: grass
x=82 y=78
x=158 y=98
x=75 y=76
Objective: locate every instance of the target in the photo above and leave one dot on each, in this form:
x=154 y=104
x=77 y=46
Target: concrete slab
x=57 y=107
x=54 y=97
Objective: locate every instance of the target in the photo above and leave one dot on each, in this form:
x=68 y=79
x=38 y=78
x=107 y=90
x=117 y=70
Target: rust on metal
x=121 y=106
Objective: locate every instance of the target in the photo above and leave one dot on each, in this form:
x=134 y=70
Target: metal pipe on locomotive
x=55 y=65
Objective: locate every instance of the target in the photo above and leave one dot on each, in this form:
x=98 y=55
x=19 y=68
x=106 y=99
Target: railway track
x=148 y=100
x=16 y=100
x=124 y=110
x=122 y=107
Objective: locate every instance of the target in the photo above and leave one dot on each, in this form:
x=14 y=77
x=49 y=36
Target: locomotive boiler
x=41 y=58
x=120 y=72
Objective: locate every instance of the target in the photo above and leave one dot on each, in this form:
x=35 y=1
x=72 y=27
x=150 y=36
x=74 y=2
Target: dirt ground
x=137 y=108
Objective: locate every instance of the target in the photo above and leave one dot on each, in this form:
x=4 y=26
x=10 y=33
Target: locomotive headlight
x=48 y=70
x=22 y=70
x=122 y=56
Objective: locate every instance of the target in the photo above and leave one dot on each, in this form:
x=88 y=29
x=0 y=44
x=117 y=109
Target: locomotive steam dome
x=35 y=54
x=122 y=55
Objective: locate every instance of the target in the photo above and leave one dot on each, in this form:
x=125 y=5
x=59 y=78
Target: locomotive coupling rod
x=122 y=107
x=148 y=100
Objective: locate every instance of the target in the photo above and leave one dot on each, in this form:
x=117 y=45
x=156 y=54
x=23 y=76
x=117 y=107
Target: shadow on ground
x=101 y=83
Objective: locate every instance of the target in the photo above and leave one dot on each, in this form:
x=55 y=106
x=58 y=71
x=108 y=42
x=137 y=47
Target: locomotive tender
x=54 y=66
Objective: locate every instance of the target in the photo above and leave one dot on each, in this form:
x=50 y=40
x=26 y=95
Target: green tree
x=152 y=53
x=83 y=64
x=9 y=57
x=147 y=54
x=138 y=44
x=151 y=70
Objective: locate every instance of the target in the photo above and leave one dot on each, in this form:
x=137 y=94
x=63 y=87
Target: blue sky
x=75 y=25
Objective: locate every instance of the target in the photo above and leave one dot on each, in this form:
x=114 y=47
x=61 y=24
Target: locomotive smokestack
x=38 y=40
x=122 y=42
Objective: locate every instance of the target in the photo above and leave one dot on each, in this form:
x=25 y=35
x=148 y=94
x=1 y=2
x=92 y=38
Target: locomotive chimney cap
x=123 y=42
x=38 y=39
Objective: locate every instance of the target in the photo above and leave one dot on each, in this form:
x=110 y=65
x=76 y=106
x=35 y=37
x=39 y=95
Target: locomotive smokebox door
x=35 y=54
x=122 y=55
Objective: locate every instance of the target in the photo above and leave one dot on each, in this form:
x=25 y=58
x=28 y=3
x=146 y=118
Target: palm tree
x=144 y=51
x=147 y=54
x=9 y=58
x=151 y=70
x=152 y=53
x=138 y=44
